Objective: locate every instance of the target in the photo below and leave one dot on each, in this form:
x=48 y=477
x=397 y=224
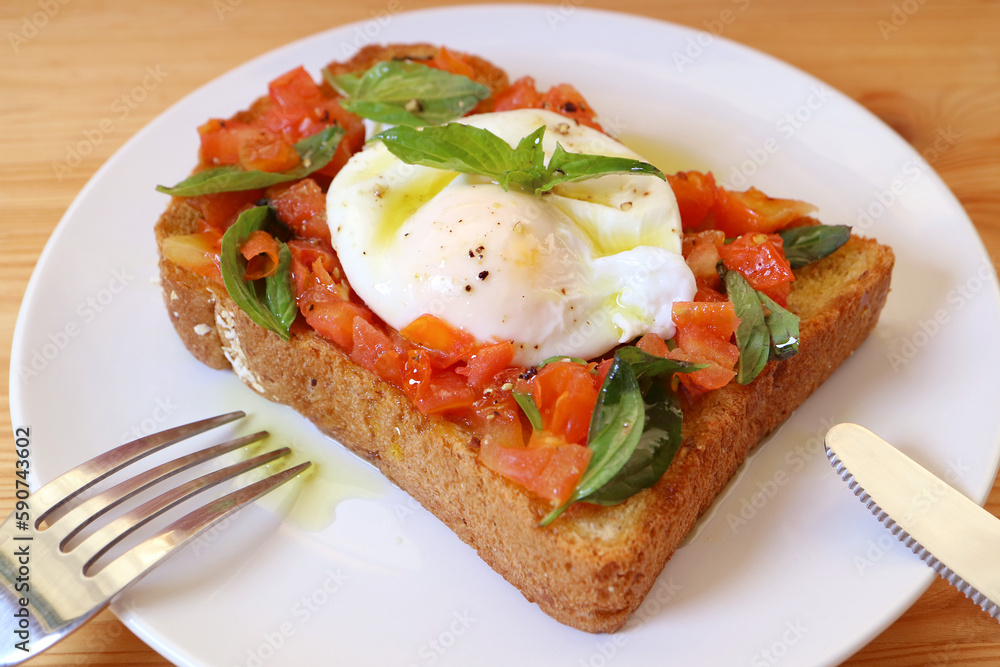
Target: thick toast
x=592 y=567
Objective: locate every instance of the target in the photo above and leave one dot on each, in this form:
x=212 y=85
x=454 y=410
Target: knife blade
x=956 y=537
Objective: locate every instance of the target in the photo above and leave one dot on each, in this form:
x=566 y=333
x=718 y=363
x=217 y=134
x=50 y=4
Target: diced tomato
x=444 y=391
x=220 y=210
x=261 y=252
x=301 y=206
x=334 y=319
x=450 y=61
x=486 y=362
x=652 y=344
x=373 y=350
x=704 y=333
x=563 y=99
x=752 y=211
x=547 y=467
x=761 y=260
x=695 y=194
x=267 y=151
x=197 y=252
x=565 y=394
x=521 y=94
x=701 y=252
x=221 y=140
x=719 y=318
x=447 y=345
x=601 y=371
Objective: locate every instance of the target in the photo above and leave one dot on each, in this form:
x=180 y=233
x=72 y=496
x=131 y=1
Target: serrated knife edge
x=932 y=511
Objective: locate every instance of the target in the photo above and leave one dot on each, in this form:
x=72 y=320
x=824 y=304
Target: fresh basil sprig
x=752 y=336
x=634 y=431
x=473 y=150
x=407 y=93
x=269 y=301
x=803 y=245
x=315 y=152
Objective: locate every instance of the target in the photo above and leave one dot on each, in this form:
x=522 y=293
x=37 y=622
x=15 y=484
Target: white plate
x=788 y=566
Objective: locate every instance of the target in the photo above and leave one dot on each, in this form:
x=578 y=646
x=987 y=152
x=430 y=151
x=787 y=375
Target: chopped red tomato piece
x=701 y=252
x=695 y=194
x=261 y=252
x=267 y=151
x=761 y=260
x=548 y=466
x=450 y=61
x=197 y=252
x=373 y=350
x=334 y=319
x=220 y=210
x=752 y=211
x=565 y=394
x=486 y=362
x=301 y=206
x=719 y=318
x=704 y=333
x=652 y=344
x=447 y=345
x=563 y=99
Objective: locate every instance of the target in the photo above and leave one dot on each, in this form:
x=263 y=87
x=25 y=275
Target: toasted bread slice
x=592 y=567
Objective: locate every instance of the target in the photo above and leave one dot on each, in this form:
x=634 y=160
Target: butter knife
x=959 y=539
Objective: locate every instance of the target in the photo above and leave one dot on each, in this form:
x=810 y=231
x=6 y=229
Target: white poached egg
x=573 y=272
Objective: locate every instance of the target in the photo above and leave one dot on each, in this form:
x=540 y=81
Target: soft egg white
x=573 y=272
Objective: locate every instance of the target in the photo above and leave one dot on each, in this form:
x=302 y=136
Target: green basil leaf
x=615 y=429
x=454 y=146
x=752 y=336
x=646 y=365
x=529 y=408
x=655 y=451
x=473 y=150
x=565 y=167
x=783 y=327
x=315 y=152
x=408 y=93
x=551 y=360
x=269 y=302
x=803 y=245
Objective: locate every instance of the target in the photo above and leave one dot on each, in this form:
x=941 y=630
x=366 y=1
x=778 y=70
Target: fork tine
x=90 y=510
x=137 y=561
x=70 y=484
x=108 y=536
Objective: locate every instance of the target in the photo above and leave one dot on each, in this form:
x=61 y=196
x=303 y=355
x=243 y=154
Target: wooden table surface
x=923 y=67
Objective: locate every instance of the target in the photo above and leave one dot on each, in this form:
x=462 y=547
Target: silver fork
x=48 y=583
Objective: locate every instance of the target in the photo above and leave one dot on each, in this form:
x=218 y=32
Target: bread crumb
x=226 y=323
x=202 y=329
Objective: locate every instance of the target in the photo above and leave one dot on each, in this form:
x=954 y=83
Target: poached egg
x=573 y=272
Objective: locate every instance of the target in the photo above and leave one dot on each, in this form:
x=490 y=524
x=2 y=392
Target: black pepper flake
x=468 y=288
x=483 y=274
x=569 y=107
x=472 y=254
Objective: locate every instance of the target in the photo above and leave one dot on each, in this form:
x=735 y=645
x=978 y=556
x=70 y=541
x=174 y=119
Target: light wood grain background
x=921 y=65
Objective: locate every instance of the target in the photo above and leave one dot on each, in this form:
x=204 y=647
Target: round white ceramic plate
x=787 y=567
